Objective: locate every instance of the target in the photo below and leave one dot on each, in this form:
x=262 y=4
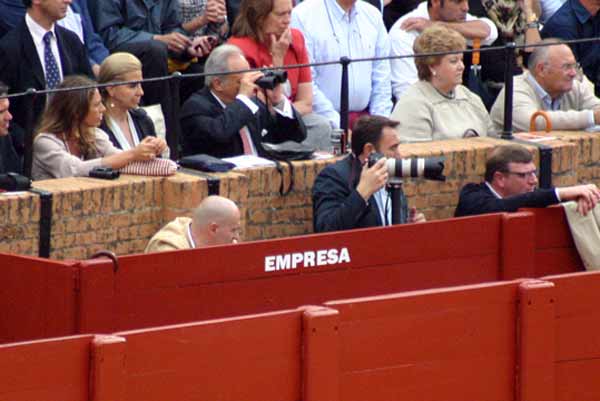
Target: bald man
x=215 y=221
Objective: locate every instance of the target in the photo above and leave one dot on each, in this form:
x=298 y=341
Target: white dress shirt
x=404 y=71
x=331 y=33
x=37 y=33
x=120 y=136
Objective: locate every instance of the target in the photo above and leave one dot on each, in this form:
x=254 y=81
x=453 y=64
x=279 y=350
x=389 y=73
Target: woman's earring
x=434 y=72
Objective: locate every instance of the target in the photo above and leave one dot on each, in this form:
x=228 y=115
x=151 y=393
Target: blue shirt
x=573 y=21
x=331 y=33
x=13 y=12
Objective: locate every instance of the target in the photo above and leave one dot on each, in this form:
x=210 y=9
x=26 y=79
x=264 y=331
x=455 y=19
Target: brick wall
x=121 y=215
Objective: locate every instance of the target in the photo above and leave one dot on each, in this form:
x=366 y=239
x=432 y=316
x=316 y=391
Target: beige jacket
x=574 y=113
x=586 y=234
x=51 y=158
x=426 y=115
x=171 y=237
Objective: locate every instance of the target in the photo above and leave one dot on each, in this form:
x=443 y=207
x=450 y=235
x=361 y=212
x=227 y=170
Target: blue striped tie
x=52 y=73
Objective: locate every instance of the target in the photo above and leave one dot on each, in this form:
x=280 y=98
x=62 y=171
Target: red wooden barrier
x=454 y=344
x=46 y=370
x=37 y=298
x=555 y=251
x=174 y=287
x=577 y=328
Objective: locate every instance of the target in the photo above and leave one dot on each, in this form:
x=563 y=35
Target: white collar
x=37 y=31
x=496 y=194
x=120 y=136
x=223 y=105
x=189 y=236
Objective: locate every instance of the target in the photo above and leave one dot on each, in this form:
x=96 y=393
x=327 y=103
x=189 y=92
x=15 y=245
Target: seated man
x=510 y=183
x=9 y=161
x=550 y=85
x=223 y=121
x=216 y=221
x=353 y=29
x=451 y=13
x=348 y=194
x=579 y=19
x=38 y=54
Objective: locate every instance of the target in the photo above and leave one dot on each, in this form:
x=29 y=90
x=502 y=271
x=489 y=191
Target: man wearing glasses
x=552 y=85
x=510 y=183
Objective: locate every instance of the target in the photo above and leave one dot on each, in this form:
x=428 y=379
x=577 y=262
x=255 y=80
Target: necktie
x=52 y=74
x=245 y=135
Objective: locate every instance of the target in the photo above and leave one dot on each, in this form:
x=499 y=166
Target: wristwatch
x=532 y=22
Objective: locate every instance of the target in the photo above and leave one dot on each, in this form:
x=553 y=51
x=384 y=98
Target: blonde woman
x=69 y=142
x=124 y=122
x=438 y=106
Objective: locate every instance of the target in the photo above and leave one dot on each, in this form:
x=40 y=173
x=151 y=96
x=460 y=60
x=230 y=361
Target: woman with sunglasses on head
x=69 y=142
x=124 y=122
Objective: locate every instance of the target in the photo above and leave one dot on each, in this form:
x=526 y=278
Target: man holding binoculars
x=232 y=116
x=351 y=193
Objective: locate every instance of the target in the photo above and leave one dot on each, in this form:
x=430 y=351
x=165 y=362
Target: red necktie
x=245 y=135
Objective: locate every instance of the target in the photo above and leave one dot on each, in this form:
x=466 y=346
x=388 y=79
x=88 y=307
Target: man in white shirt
x=452 y=13
x=346 y=28
x=551 y=85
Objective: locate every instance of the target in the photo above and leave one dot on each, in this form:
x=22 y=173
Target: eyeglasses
x=570 y=66
x=523 y=175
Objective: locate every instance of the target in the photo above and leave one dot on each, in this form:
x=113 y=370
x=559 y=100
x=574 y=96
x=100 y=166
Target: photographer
x=225 y=118
x=349 y=194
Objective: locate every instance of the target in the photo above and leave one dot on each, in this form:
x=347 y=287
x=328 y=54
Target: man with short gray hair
x=216 y=221
x=230 y=116
x=551 y=85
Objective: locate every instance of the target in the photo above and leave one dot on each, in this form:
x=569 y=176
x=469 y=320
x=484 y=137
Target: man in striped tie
x=231 y=116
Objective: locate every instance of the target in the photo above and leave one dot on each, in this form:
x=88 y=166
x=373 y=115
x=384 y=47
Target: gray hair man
x=551 y=85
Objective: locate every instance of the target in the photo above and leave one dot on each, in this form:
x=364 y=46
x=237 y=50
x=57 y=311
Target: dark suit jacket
x=9 y=161
x=21 y=69
x=209 y=128
x=478 y=199
x=336 y=203
x=142 y=122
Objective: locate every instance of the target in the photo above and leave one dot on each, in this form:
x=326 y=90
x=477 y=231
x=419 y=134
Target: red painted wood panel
x=247 y=358
x=37 y=298
x=45 y=370
x=454 y=344
x=223 y=281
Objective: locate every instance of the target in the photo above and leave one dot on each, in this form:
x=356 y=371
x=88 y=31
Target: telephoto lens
x=430 y=168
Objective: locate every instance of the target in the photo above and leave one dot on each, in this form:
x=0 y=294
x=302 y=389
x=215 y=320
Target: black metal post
x=509 y=50
x=28 y=132
x=394 y=187
x=174 y=128
x=344 y=61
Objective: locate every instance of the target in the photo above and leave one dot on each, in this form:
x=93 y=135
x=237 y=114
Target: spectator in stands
x=353 y=29
x=77 y=20
x=437 y=106
x=451 y=13
x=262 y=31
x=579 y=19
x=224 y=119
x=510 y=183
x=205 y=17
x=38 y=54
x=125 y=123
x=9 y=161
x=152 y=31
x=69 y=143
x=216 y=221
x=349 y=194
x=549 y=8
x=551 y=85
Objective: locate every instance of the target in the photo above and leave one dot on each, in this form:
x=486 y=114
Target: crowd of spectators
x=46 y=44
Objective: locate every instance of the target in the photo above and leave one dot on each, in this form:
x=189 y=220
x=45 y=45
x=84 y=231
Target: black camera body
x=106 y=173
x=271 y=79
x=430 y=168
x=14 y=182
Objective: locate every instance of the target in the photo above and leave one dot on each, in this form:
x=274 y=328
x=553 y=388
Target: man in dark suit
x=9 y=161
x=349 y=194
x=38 y=54
x=224 y=119
x=510 y=183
